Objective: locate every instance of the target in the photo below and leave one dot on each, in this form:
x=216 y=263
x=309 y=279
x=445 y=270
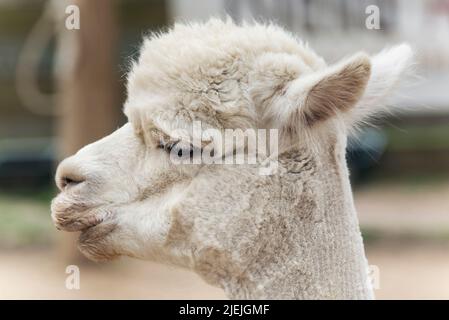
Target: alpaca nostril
x=69 y=181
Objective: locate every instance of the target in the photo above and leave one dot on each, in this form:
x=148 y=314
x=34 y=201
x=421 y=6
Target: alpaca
x=292 y=234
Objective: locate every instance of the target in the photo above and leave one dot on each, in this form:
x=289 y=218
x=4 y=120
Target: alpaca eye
x=182 y=149
x=167 y=146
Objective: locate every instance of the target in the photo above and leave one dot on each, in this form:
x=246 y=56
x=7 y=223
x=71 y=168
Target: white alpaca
x=293 y=234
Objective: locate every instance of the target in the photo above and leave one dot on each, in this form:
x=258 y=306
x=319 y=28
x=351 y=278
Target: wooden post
x=88 y=98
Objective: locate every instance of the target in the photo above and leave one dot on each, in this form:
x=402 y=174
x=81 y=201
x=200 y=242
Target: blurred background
x=61 y=89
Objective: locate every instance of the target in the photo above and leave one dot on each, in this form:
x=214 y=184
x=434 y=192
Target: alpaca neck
x=319 y=255
x=331 y=266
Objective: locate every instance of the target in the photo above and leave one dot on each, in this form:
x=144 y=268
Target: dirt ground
x=404 y=208
x=39 y=274
x=405 y=272
x=411 y=272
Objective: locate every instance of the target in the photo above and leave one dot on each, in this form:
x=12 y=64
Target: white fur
x=389 y=68
x=291 y=235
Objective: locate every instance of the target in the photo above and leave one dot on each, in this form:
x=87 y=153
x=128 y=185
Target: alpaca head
x=126 y=195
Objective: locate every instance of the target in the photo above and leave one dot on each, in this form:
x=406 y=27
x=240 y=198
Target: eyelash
x=168 y=147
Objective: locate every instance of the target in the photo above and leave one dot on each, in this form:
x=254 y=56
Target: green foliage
x=25 y=220
x=416 y=138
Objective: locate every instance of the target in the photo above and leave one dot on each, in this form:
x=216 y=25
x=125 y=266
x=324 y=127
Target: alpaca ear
x=335 y=90
x=388 y=69
x=304 y=96
x=356 y=89
x=289 y=94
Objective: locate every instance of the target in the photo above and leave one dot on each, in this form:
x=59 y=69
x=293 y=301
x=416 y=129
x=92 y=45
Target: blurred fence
x=338 y=28
x=332 y=28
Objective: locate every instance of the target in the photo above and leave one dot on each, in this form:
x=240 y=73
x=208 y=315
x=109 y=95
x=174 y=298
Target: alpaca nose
x=68 y=174
x=68 y=181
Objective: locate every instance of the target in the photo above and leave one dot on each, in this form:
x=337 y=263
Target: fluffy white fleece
x=294 y=234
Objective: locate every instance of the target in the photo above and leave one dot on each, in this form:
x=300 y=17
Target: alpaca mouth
x=67 y=223
x=71 y=216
